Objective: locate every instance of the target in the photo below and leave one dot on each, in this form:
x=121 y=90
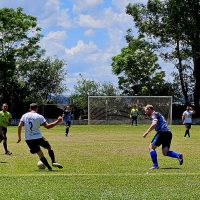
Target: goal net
x=116 y=109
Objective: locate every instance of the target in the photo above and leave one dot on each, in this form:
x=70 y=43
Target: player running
x=67 y=115
x=163 y=136
x=33 y=136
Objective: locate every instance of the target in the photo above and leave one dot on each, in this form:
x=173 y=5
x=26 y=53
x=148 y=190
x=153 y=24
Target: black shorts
x=34 y=145
x=163 y=138
x=188 y=125
x=3 y=132
x=134 y=117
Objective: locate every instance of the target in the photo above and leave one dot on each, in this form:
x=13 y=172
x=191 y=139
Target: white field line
x=120 y=174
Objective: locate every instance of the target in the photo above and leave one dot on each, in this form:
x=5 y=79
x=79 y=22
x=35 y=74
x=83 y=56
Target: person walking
x=33 y=136
x=163 y=137
x=187 y=120
x=5 y=120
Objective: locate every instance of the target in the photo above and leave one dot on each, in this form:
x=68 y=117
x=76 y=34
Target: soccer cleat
x=8 y=153
x=180 y=159
x=154 y=167
x=55 y=164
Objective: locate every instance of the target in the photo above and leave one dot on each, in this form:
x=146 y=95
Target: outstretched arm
x=152 y=126
x=51 y=125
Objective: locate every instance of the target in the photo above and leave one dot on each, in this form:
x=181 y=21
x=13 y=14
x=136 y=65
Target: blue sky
x=85 y=33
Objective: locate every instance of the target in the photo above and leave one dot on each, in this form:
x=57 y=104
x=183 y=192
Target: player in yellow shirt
x=134 y=115
x=5 y=119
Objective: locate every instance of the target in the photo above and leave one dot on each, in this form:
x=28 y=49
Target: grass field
x=102 y=162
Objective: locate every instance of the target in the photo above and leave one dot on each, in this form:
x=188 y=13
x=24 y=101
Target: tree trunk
x=197 y=84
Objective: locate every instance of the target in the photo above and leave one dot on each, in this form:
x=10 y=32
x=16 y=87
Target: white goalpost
x=116 y=109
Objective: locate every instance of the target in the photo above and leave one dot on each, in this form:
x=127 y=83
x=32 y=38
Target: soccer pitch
x=101 y=162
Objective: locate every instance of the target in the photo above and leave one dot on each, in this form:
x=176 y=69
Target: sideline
x=47 y=173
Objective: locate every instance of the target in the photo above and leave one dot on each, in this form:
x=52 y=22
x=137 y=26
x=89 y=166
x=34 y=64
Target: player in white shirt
x=187 y=119
x=33 y=136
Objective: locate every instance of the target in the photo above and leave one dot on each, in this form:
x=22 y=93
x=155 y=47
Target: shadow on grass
x=3 y=162
x=170 y=168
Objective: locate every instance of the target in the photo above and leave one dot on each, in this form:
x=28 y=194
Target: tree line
x=166 y=29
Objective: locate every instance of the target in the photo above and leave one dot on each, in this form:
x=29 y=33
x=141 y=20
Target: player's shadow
x=46 y=171
x=170 y=168
x=3 y=162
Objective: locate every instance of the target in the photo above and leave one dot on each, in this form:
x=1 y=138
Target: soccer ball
x=40 y=165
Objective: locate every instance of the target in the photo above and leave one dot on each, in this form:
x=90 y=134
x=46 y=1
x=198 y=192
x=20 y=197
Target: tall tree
x=19 y=37
x=137 y=68
x=44 y=78
x=175 y=25
x=108 y=89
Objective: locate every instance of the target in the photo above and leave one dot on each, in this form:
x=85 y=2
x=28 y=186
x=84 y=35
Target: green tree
x=174 y=25
x=82 y=90
x=85 y=88
x=44 y=78
x=137 y=68
x=108 y=89
x=25 y=76
x=19 y=37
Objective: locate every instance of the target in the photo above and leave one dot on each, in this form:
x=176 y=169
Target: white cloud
x=52 y=5
x=121 y=5
x=85 y=5
x=89 y=21
x=81 y=49
x=53 y=42
x=89 y=32
x=53 y=15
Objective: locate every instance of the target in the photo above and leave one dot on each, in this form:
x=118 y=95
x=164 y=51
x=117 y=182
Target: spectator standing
x=187 y=120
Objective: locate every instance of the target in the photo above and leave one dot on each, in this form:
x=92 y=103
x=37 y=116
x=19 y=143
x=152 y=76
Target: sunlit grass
x=101 y=162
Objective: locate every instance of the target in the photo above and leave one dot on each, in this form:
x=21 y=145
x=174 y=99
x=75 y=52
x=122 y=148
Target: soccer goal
x=116 y=109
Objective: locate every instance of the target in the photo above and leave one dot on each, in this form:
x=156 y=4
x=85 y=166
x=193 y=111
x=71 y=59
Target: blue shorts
x=163 y=138
x=68 y=123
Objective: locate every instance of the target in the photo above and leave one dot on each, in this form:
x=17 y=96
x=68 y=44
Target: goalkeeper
x=134 y=115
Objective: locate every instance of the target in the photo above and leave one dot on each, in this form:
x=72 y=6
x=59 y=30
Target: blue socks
x=153 y=155
x=173 y=154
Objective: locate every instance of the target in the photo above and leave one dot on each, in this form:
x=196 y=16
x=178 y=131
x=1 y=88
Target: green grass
x=101 y=162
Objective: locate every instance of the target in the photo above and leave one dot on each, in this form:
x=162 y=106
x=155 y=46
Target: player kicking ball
x=163 y=136
x=33 y=136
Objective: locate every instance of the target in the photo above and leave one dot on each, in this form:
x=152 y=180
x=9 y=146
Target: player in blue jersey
x=67 y=115
x=163 y=136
